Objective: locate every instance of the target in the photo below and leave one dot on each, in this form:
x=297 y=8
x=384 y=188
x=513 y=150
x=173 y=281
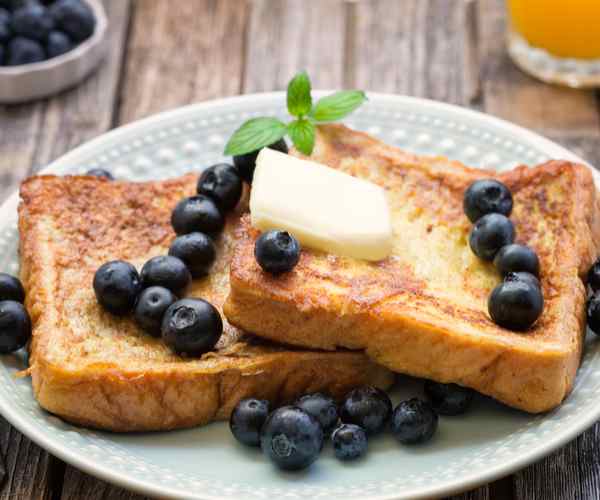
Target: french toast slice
x=98 y=370
x=423 y=311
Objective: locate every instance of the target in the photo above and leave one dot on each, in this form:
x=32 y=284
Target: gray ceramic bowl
x=32 y=81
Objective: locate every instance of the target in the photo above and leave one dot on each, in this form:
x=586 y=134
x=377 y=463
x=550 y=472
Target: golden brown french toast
x=99 y=370
x=423 y=311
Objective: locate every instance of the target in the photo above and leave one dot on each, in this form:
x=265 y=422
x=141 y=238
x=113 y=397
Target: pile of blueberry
x=15 y=324
x=189 y=326
x=35 y=30
x=517 y=302
x=293 y=436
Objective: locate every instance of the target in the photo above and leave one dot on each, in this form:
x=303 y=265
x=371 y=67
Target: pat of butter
x=323 y=208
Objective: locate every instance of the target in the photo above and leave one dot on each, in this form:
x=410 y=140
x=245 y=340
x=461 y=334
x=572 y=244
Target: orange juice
x=564 y=28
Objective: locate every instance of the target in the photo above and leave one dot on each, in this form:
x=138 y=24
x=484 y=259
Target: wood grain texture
x=183 y=54
x=286 y=36
x=78 y=485
x=415 y=47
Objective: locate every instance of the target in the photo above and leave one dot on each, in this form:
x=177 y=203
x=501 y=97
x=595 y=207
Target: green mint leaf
x=302 y=132
x=255 y=134
x=299 y=100
x=336 y=106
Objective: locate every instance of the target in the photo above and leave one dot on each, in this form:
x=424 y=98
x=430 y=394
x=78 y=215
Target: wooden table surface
x=165 y=54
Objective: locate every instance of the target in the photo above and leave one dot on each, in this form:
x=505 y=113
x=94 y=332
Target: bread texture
x=101 y=371
x=423 y=310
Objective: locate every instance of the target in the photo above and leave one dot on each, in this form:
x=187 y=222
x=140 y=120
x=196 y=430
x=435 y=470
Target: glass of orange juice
x=557 y=41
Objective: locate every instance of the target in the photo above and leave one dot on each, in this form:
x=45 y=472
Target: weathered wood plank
x=287 y=36
x=415 y=47
x=183 y=54
x=32 y=135
x=78 y=485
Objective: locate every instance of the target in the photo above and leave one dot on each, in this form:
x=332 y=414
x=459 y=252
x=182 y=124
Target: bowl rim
x=73 y=54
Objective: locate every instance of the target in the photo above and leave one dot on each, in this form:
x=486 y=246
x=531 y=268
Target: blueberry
x=515 y=257
x=593 y=313
x=414 y=421
x=523 y=276
x=593 y=276
x=100 y=172
x=487 y=196
x=75 y=18
x=277 y=251
x=12 y=5
x=246 y=163
x=321 y=407
x=191 y=327
x=166 y=271
x=5 y=29
x=24 y=51
x=2 y=54
x=448 y=399
x=515 y=305
x=489 y=234
x=247 y=419
x=11 y=288
x=32 y=21
x=349 y=442
x=58 y=43
x=197 y=250
x=197 y=214
x=368 y=407
x=291 y=438
x=117 y=285
x=15 y=326
x=151 y=307
x=223 y=184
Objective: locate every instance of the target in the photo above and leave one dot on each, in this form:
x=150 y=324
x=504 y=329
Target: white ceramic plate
x=489 y=442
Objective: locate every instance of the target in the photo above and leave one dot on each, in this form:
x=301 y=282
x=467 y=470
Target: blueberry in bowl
x=247 y=419
x=414 y=421
x=223 y=184
x=323 y=408
x=150 y=308
x=515 y=258
x=349 y=442
x=487 y=196
x=32 y=21
x=117 y=285
x=246 y=163
x=48 y=46
x=515 y=304
x=191 y=327
x=277 y=251
x=168 y=272
x=448 y=399
x=74 y=17
x=489 y=234
x=291 y=438
x=21 y=50
x=368 y=407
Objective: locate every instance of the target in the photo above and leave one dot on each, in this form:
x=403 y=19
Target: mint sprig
x=258 y=133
